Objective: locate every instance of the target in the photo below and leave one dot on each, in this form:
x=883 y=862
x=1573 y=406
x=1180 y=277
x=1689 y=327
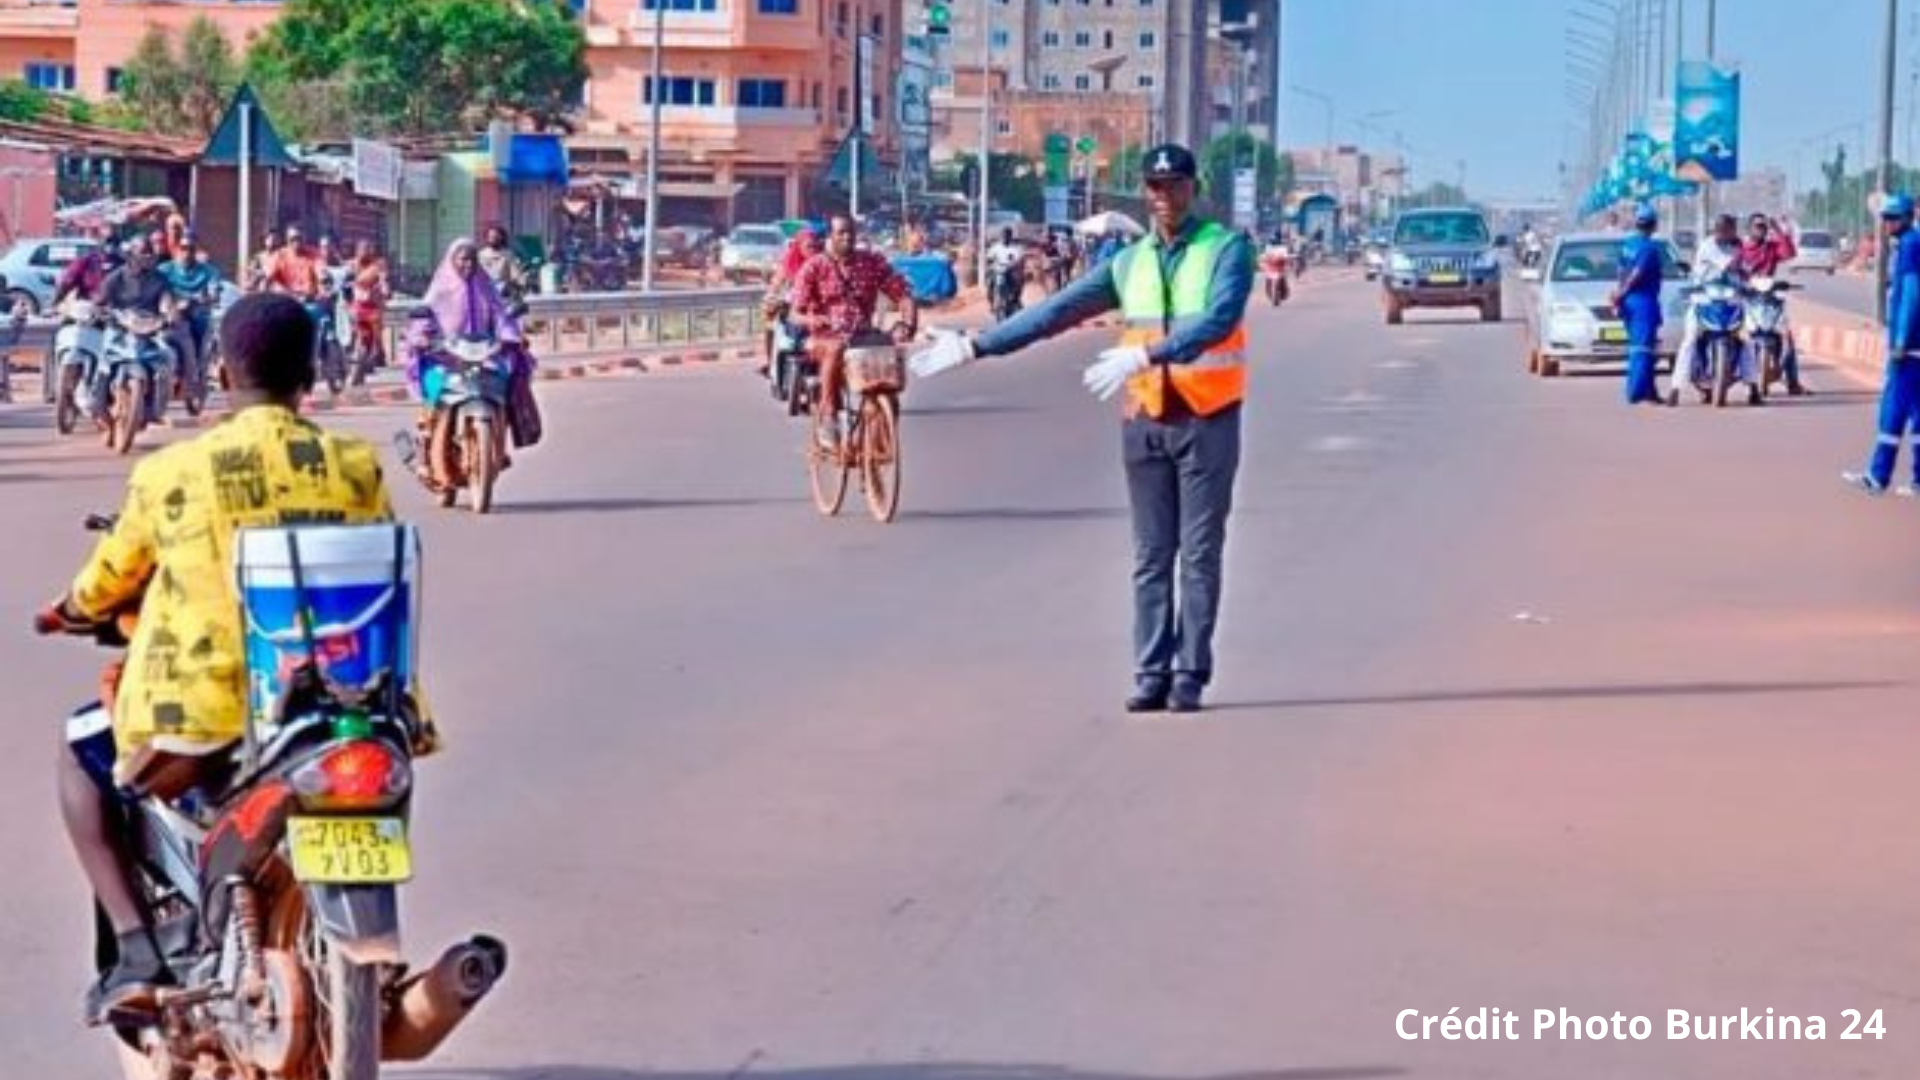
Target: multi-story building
x=1243 y=57
x=1366 y=184
x=758 y=99
x=78 y=46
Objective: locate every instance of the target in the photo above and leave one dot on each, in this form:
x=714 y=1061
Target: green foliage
x=1018 y=183
x=422 y=67
x=22 y=103
x=1239 y=149
x=180 y=91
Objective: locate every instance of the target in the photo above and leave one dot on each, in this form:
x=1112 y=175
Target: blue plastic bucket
x=360 y=586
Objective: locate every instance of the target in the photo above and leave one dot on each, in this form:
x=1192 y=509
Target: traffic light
x=939 y=19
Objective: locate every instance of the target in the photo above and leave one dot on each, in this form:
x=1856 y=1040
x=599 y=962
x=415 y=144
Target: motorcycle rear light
x=357 y=775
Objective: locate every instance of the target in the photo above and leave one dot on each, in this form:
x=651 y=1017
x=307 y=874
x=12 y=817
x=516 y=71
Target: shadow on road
x=629 y=506
x=984 y=409
x=1017 y=513
x=915 y=1071
x=1566 y=693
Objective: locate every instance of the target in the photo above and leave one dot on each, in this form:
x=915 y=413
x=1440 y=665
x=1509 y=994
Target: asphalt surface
x=1850 y=293
x=1526 y=700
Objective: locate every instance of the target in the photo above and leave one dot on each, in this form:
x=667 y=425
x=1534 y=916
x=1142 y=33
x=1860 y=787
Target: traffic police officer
x=1182 y=290
x=1638 y=300
x=1900 y=398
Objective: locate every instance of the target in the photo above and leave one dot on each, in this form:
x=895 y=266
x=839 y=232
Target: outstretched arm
x=1093 y=294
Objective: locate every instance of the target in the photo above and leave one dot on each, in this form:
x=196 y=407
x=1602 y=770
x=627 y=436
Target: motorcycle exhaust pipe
x=427 y=1007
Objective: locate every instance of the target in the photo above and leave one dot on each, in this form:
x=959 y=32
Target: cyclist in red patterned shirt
x=834 y=299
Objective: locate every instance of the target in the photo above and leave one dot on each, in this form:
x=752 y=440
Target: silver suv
x=1442 y=258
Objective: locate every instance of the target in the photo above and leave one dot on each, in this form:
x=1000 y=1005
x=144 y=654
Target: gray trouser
x=1180 y=482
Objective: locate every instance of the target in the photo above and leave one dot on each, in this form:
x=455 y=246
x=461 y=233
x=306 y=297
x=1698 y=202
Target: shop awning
x=685 y=190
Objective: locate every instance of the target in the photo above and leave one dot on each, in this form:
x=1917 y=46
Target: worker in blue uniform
x=1900 y=398
x=1637 y=298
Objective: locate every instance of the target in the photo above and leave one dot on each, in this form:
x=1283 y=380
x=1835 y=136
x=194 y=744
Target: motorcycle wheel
x=483 y=467
x=193 y=391
x=129 y=414
x=353 y=1023
x=1723 y=358
x=334 y=364
x=880 y=455
x=66 y=410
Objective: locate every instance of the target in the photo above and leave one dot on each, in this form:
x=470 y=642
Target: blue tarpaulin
x=929 y=276
x=534 y=159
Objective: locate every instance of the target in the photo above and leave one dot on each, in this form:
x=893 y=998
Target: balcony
x=38 y=20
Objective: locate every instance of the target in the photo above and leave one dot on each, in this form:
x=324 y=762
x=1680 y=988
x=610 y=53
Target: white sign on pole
x=867 y=120
x=376 y=169
x=420 y=181
x=1246 y=211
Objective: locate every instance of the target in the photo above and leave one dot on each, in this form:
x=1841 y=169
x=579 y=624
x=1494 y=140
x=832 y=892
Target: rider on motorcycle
x=501 y=264
x=1530 y=246
x=295 y=271
x=1718 y=257
x=803 y=246
x=181 y=694
x=1766 y=251
x=834 y=299
x=1006 y=261
x=194 y=282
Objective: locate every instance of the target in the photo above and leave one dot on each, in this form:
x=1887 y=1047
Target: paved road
x=1527 y=701
x=1851 y=293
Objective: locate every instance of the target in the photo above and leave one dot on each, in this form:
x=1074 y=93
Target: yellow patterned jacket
x=184 y=688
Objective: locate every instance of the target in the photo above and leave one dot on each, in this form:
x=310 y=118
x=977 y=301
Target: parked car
x=1817 y=252
x=1572 y=319
x=1442 y=257
x=752 y=252
x=31 y=269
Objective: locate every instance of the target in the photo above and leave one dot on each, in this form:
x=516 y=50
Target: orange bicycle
x=868 y=415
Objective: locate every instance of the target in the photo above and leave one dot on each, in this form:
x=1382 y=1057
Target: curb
x=1850 y=344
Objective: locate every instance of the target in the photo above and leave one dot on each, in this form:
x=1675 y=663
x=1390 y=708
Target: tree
x=185 y=91
x=21 y=103
x=422 y=67
x=1236 y=150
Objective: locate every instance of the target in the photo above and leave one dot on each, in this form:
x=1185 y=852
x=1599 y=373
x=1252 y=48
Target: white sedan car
x=1571 y=319
x=1817 y=253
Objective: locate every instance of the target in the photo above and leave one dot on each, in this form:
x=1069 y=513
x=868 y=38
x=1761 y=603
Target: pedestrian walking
x=1182 y=290
x=1637 y=298
x=1900 y=397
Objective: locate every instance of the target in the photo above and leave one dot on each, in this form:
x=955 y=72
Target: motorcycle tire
x=333 y=365
x=1723 y=373
x=483 y=466
x=353 y=1026
x=66 y=407
x=129 y=414
x=193 y=392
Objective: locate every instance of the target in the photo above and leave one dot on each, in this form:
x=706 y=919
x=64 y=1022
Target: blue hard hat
x=1896 y=205
x=1645 y=214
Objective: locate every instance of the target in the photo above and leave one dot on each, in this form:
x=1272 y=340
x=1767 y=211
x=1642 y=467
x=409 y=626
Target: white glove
x=1104 y=377
x=950 y=349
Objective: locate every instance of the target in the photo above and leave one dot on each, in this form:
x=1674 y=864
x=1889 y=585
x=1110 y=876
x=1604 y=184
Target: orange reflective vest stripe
x=1154 y=308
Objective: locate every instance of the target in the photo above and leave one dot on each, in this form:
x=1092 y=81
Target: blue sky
x=1482 y=81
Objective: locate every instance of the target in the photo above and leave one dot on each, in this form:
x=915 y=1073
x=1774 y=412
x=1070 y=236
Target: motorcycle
x=329 y=358
x=193 y=383
x=1766 y=334
x=77 y=348
x=467 y=434
x=271 y=885
x=787 y=376
x=136 y=379
x=1273 y=269
x=1006 y=286
x=1719 y=309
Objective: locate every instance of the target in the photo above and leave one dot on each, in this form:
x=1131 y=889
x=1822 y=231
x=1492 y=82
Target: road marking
x=1398 y=365
x=1357 y=397
x=1337 y=444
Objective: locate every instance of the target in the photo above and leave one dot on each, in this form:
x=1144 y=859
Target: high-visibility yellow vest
x=1154 y=308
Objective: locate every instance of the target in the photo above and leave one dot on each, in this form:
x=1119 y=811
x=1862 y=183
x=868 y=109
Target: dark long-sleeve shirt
x=1098 y=291
x=130 y=291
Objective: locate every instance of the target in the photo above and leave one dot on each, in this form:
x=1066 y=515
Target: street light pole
x=1886 y=149
x=986 y=138
x=653 y=148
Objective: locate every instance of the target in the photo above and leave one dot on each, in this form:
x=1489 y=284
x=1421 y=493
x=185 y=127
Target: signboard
x=1706 y=137
x=376 y=169
x=1059 y=148
x=1059 y=204
x=1246 y=210
x=866 y=121
x=1087 y=144
x=420 y=181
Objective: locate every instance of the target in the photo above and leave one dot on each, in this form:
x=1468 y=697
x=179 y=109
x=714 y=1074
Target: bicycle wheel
x=827 y=470
x=880 y=455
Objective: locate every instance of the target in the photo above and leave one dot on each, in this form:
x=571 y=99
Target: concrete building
x=77 y=46
x=1367 y=184
x=1243 y=57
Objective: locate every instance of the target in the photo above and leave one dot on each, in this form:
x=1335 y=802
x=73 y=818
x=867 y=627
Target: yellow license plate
x=349 y=851
x=1613 y=335
x=1443 y=279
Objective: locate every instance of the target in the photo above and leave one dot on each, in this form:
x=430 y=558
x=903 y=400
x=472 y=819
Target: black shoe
x=1186 y=695
x=1149 y=695
x=131 y=990
x=1798 y=390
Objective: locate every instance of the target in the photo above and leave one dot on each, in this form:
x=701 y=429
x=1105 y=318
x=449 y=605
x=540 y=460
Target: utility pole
x=986 y=137
x=653 y=148
x=1886 y=150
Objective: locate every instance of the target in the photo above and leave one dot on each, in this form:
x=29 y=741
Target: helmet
x=1645 y=214
x=1896 y=206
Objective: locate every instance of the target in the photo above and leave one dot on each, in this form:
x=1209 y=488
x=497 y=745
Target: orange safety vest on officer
x=1155 y=308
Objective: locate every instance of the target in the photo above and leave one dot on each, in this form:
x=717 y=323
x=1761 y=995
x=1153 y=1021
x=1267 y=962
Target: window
x=841 y=19
x=761 y=94
x=1002 y=39
x=879 y=25
x=682 y=5
x=779 y=7
x=1050 y=82
x=1144 y=82
x=1083 y=82
x=1051 y=39
x=1083 y=39
x=816 y=95
x=1108 y=41
x=1004 y=127
x=840 y=101
x=114 y=77
x=55 y=77
x=1148 y=40
x=679 y=90
x=943 y=77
